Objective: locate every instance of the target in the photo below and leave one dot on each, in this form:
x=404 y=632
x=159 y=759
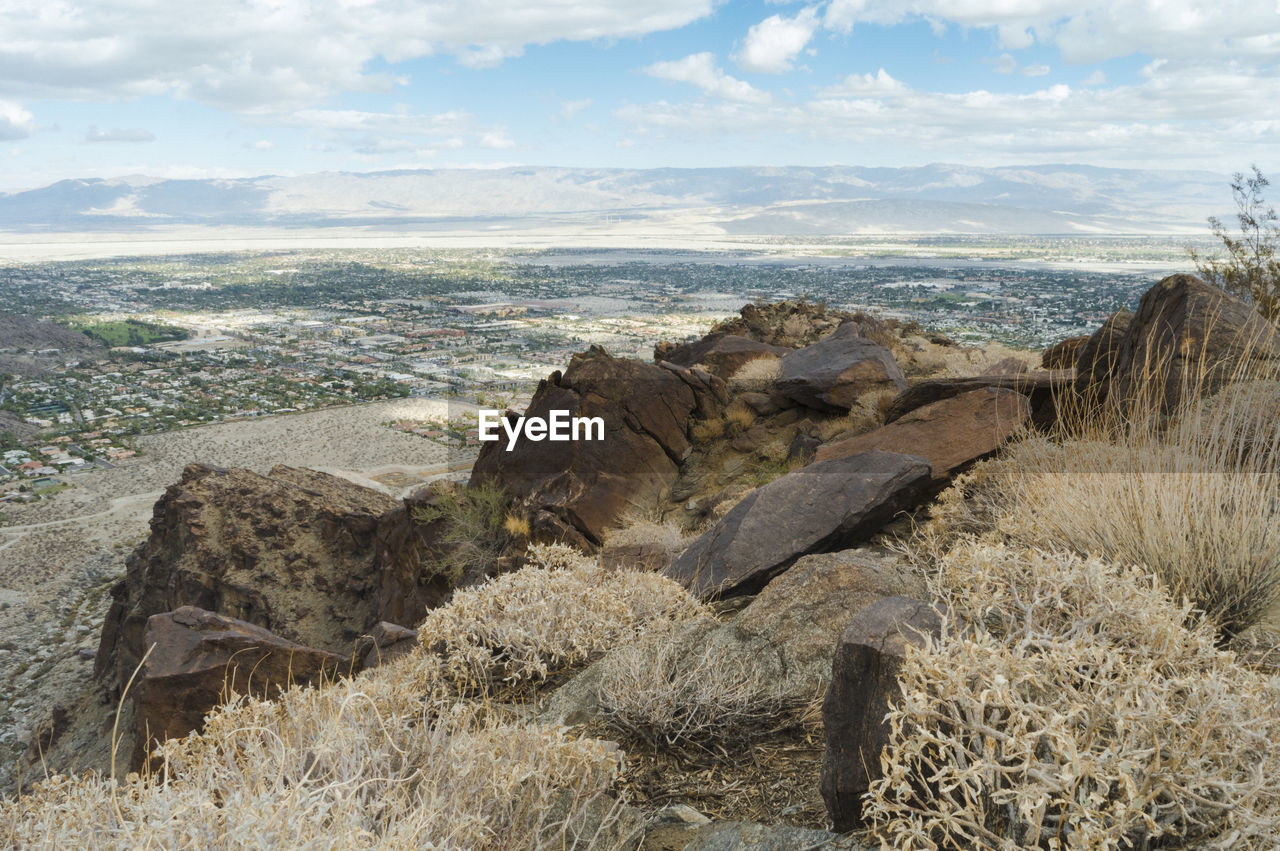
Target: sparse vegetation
x=1068 y=705
x=474 y=529
x=1251 y=268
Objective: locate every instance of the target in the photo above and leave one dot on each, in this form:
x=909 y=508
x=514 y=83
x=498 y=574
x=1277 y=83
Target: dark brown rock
x=720 y=354
x=1039 y=387
x=863 y=682
x=198 y=659
x=1185 y=336
x=832 y=373
x=291 y=552
x=950 y=434
x=1096 y=359
x=819 y=508
x=385 y=643
x=762 y=404
x=573 y=491
x=793 y=324
x=1063 y=354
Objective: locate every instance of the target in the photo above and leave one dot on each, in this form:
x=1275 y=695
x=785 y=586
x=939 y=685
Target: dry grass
x=706 y=431
x=399 y=756
x=662 y=691
x=738 y=417
x=757 y=374
x=1073 y=709
x=667 y=534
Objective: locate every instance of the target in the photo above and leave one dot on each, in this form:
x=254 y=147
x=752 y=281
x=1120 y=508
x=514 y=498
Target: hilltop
x=690 y=635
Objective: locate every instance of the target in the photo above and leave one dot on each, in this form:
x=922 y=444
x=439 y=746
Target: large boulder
x=719 y=354
x=291 y=552
x=823 y=507
x=787 y=634
x=864 y=674
x=573 y=491
x=1186 y=335
x=831 y=374
x=1096 y=360
x=199 y=659
x=950 y=434
x=1040 y=387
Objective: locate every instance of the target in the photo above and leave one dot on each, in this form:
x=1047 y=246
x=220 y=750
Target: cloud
x=771 y=44
x=1195 y=113
x=861 y=85
x=119 y=134
x=378 y=133
x=15 y=122
x=1092 y=30
x=1034 y=70
x=1004 y=63
x=700 y=69
x=1097 y=78
x=570 y=108
x=260 y=145
x=280 y=55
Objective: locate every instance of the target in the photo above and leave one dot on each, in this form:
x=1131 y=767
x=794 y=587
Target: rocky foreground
x=759 y=469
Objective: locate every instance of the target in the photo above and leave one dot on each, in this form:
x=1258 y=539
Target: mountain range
x=1043 y=199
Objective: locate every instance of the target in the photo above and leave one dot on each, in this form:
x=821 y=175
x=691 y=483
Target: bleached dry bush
x=666 y=688
x=666 y=534
x=1074 y=710
x=758 y=374
x=364 y=763
x=398 y=756
x=560 y=610
x=1208 y=527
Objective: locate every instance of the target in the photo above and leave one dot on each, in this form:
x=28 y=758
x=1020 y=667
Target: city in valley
x=189 y=340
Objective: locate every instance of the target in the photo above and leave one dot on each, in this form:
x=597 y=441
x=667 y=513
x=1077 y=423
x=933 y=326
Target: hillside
x=1050 y=199
x=824 y=572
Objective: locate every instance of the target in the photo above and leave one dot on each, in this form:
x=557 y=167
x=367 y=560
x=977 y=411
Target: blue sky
x=245 y=87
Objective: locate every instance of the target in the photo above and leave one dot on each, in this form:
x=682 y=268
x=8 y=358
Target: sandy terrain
x=58 y=558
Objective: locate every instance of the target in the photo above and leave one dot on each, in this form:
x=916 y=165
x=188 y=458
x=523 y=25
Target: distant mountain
x=1061 y=199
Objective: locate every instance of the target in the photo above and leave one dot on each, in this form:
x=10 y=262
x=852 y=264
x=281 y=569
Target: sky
x=235 y=88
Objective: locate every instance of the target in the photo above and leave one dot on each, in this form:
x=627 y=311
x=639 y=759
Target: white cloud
x=570 y=108
x=1093 y=30
x=119 y=134
x=771 y=44
x=1097 y=78
x=1194 y=113
x=279 y=55
x=261 y=145
x=378 y=133
x=700 y=69
x=1005 y=63
x=15 y=122
x=1034 y=70
x=861 y=85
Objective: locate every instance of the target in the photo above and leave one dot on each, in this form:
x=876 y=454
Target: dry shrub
x=560 y=610
x=1209 y=529
x=516 y=525
x=757 y=374
x=369 y=762
x=667 y=534
x=738 y=417
x=663 y=688
x=1075 y=710
x=398 y=756
x=705 y=431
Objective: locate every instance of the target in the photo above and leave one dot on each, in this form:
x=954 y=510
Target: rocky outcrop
x=832 y=373
x=198 y=659
x=1041 y=388
x=291 y=552
x=1185 y=336
x=823 y=507
x=792 y=324
x=718 y=354
x=1063 y=354
x=863 y=682
x=573 y=491
x=950 y=434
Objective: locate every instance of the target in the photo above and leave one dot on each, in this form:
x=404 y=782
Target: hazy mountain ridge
x=793 y=200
